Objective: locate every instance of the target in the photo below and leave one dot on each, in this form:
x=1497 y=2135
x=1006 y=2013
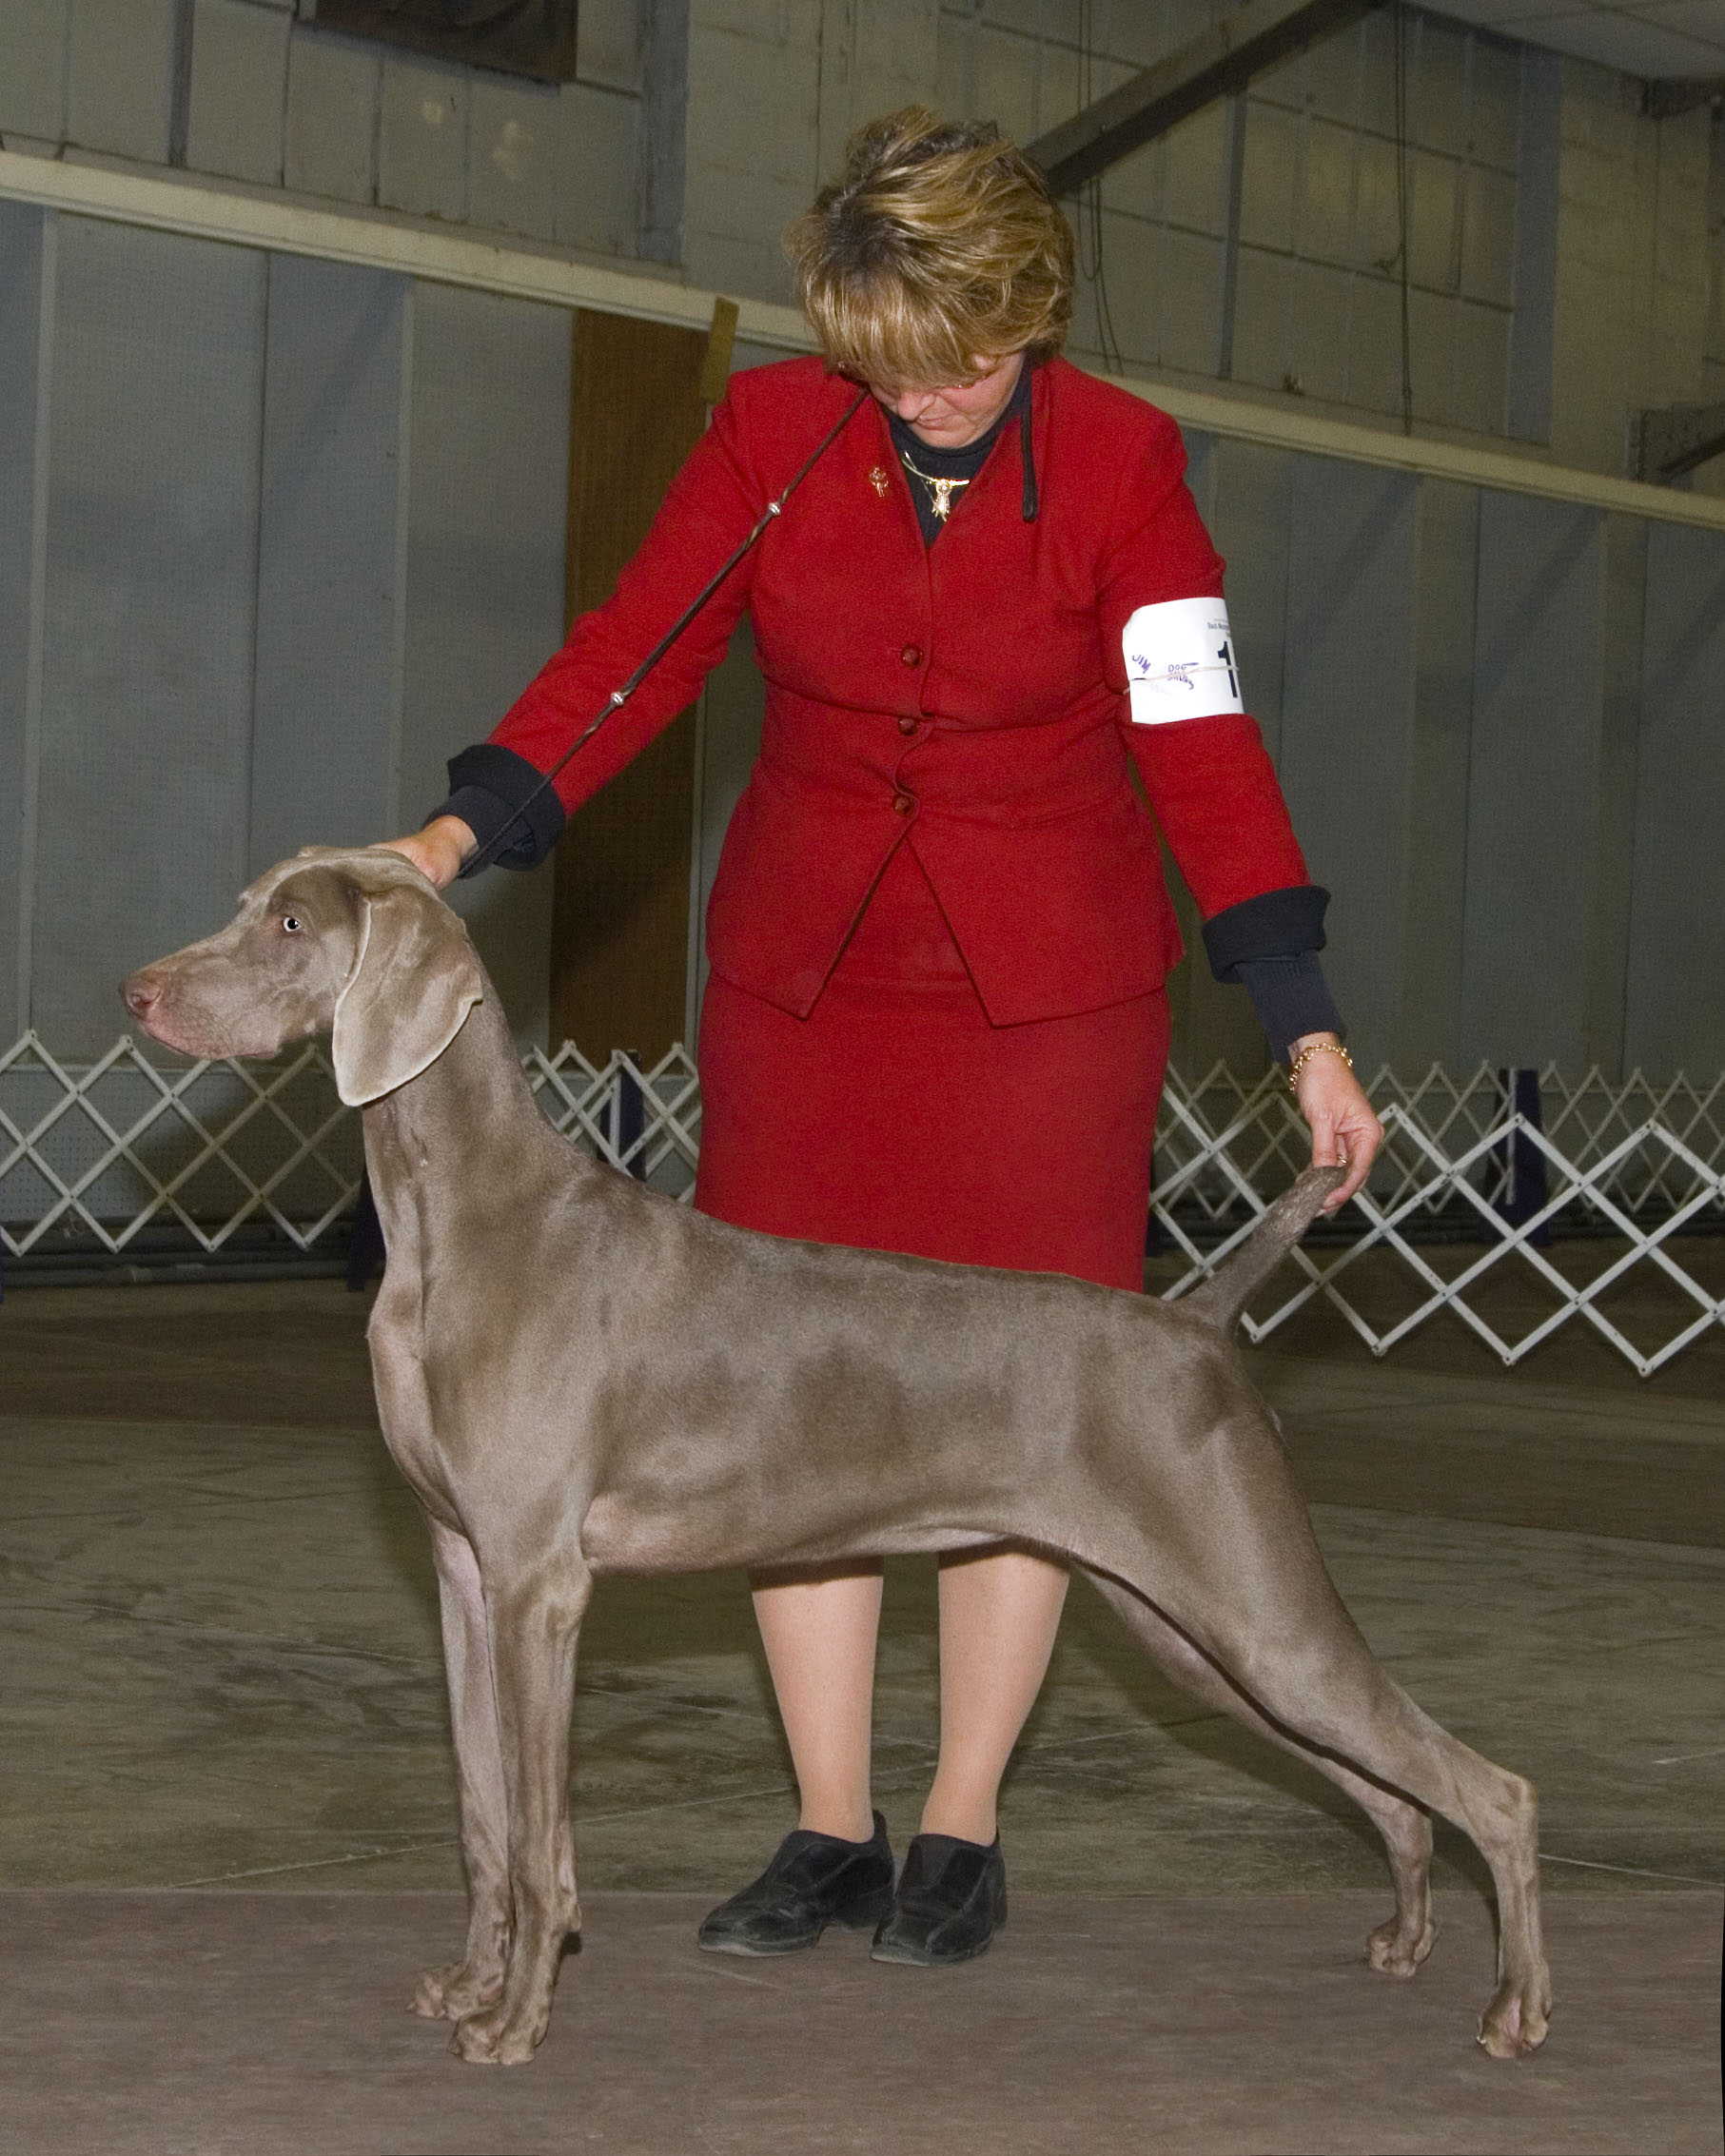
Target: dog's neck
x=466 y=1131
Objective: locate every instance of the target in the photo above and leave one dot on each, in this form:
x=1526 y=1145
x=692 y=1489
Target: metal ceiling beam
x=228 y=213
x=1667 y=443
x=1669 y=96
x=1215 y=63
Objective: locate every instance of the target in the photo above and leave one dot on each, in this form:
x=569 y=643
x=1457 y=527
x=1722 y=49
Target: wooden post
x=620 y=929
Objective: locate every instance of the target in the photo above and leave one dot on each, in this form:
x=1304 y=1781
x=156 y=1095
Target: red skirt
x=896 y=1117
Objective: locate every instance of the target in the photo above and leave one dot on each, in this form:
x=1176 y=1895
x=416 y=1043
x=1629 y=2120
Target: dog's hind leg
x=535 y=1622
x=1279 y=1630
x=1226 y=1549
x=476 y=1980
x=1398 y=1947
x=1331 y=1691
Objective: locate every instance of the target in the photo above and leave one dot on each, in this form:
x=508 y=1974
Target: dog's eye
x=291 y=923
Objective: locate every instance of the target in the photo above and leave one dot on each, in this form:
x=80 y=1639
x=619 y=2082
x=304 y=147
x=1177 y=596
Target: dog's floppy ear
x=413 y=983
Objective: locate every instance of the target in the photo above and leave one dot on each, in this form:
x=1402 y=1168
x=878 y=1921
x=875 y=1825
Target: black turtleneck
x=960 y=464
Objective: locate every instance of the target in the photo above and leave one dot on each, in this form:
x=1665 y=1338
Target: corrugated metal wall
x=1282 y=270
x=154 y=432
x=23 y=451
x=280 y=537
x=1675 y=960
x=257 y=91
x=1498 y=723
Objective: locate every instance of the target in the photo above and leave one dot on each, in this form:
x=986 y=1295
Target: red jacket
x=967 y=698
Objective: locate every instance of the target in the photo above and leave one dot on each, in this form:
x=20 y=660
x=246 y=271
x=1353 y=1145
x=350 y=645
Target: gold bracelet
x=1305 y=1055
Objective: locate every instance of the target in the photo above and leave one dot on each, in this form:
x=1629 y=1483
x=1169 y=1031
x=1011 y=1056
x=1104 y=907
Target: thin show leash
x=483 y=855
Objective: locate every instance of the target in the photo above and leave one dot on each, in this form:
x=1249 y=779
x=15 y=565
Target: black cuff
x=491 y=789
x=1291 y=997
x=1276 y=924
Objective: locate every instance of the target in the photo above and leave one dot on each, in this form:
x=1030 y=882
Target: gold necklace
x=940 y=491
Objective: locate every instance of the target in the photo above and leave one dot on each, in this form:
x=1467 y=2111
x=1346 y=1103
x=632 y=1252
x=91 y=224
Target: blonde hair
x=939 y=245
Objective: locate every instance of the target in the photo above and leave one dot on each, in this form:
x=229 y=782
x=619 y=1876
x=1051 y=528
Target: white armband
x=1180 y=661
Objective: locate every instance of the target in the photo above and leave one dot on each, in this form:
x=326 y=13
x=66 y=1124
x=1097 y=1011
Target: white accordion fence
x=1481 y=1172
x=1583 y=1186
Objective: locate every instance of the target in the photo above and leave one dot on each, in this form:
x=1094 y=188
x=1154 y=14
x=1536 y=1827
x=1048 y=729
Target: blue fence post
x=629 y=1117
x=366 y=1250
x=1518 y=1163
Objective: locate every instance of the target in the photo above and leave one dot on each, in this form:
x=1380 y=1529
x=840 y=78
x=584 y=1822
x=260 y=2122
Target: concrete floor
x=220 y=1666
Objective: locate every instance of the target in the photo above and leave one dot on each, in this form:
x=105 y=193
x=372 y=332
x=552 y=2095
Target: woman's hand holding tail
x=1344 y=1124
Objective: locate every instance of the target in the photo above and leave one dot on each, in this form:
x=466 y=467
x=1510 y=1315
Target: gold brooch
x=878 y=481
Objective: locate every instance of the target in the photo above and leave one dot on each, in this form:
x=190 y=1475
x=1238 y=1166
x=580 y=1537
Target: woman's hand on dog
x=437 y=852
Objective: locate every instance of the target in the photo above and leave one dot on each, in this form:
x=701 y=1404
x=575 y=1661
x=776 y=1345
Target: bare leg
x=999 y=1613
x=819 y=1628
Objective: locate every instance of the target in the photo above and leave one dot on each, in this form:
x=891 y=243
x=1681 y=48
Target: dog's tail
x=1222 y=1298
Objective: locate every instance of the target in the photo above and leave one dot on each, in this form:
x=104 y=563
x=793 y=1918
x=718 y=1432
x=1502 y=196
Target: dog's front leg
x=459 y=1987
x=535 y=1625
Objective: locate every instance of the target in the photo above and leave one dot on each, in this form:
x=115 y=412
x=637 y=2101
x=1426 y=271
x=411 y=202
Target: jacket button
x=907 y=726
x=903 y=803
x=911 y=655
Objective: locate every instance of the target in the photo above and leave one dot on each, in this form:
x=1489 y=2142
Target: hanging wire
x=1090 y=259
x=1402 y=191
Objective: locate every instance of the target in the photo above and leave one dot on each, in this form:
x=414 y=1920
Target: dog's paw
x=497 y=2037
x=453 y=1992
x=1518 y=2017
x=1396 y=1950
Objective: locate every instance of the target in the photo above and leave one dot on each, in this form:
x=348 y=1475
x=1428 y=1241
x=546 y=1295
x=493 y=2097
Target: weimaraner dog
x=580 y=1376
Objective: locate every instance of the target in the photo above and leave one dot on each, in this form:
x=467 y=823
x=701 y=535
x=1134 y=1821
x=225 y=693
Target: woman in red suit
x=936 y=1020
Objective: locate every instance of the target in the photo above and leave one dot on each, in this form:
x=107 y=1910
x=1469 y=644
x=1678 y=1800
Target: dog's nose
x=142 y=993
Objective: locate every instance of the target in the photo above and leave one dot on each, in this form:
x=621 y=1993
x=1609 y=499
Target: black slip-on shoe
x=814 y=1880
x=951 y=1899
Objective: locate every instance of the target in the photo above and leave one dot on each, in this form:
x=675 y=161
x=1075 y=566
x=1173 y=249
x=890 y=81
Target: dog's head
x=349 y=942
